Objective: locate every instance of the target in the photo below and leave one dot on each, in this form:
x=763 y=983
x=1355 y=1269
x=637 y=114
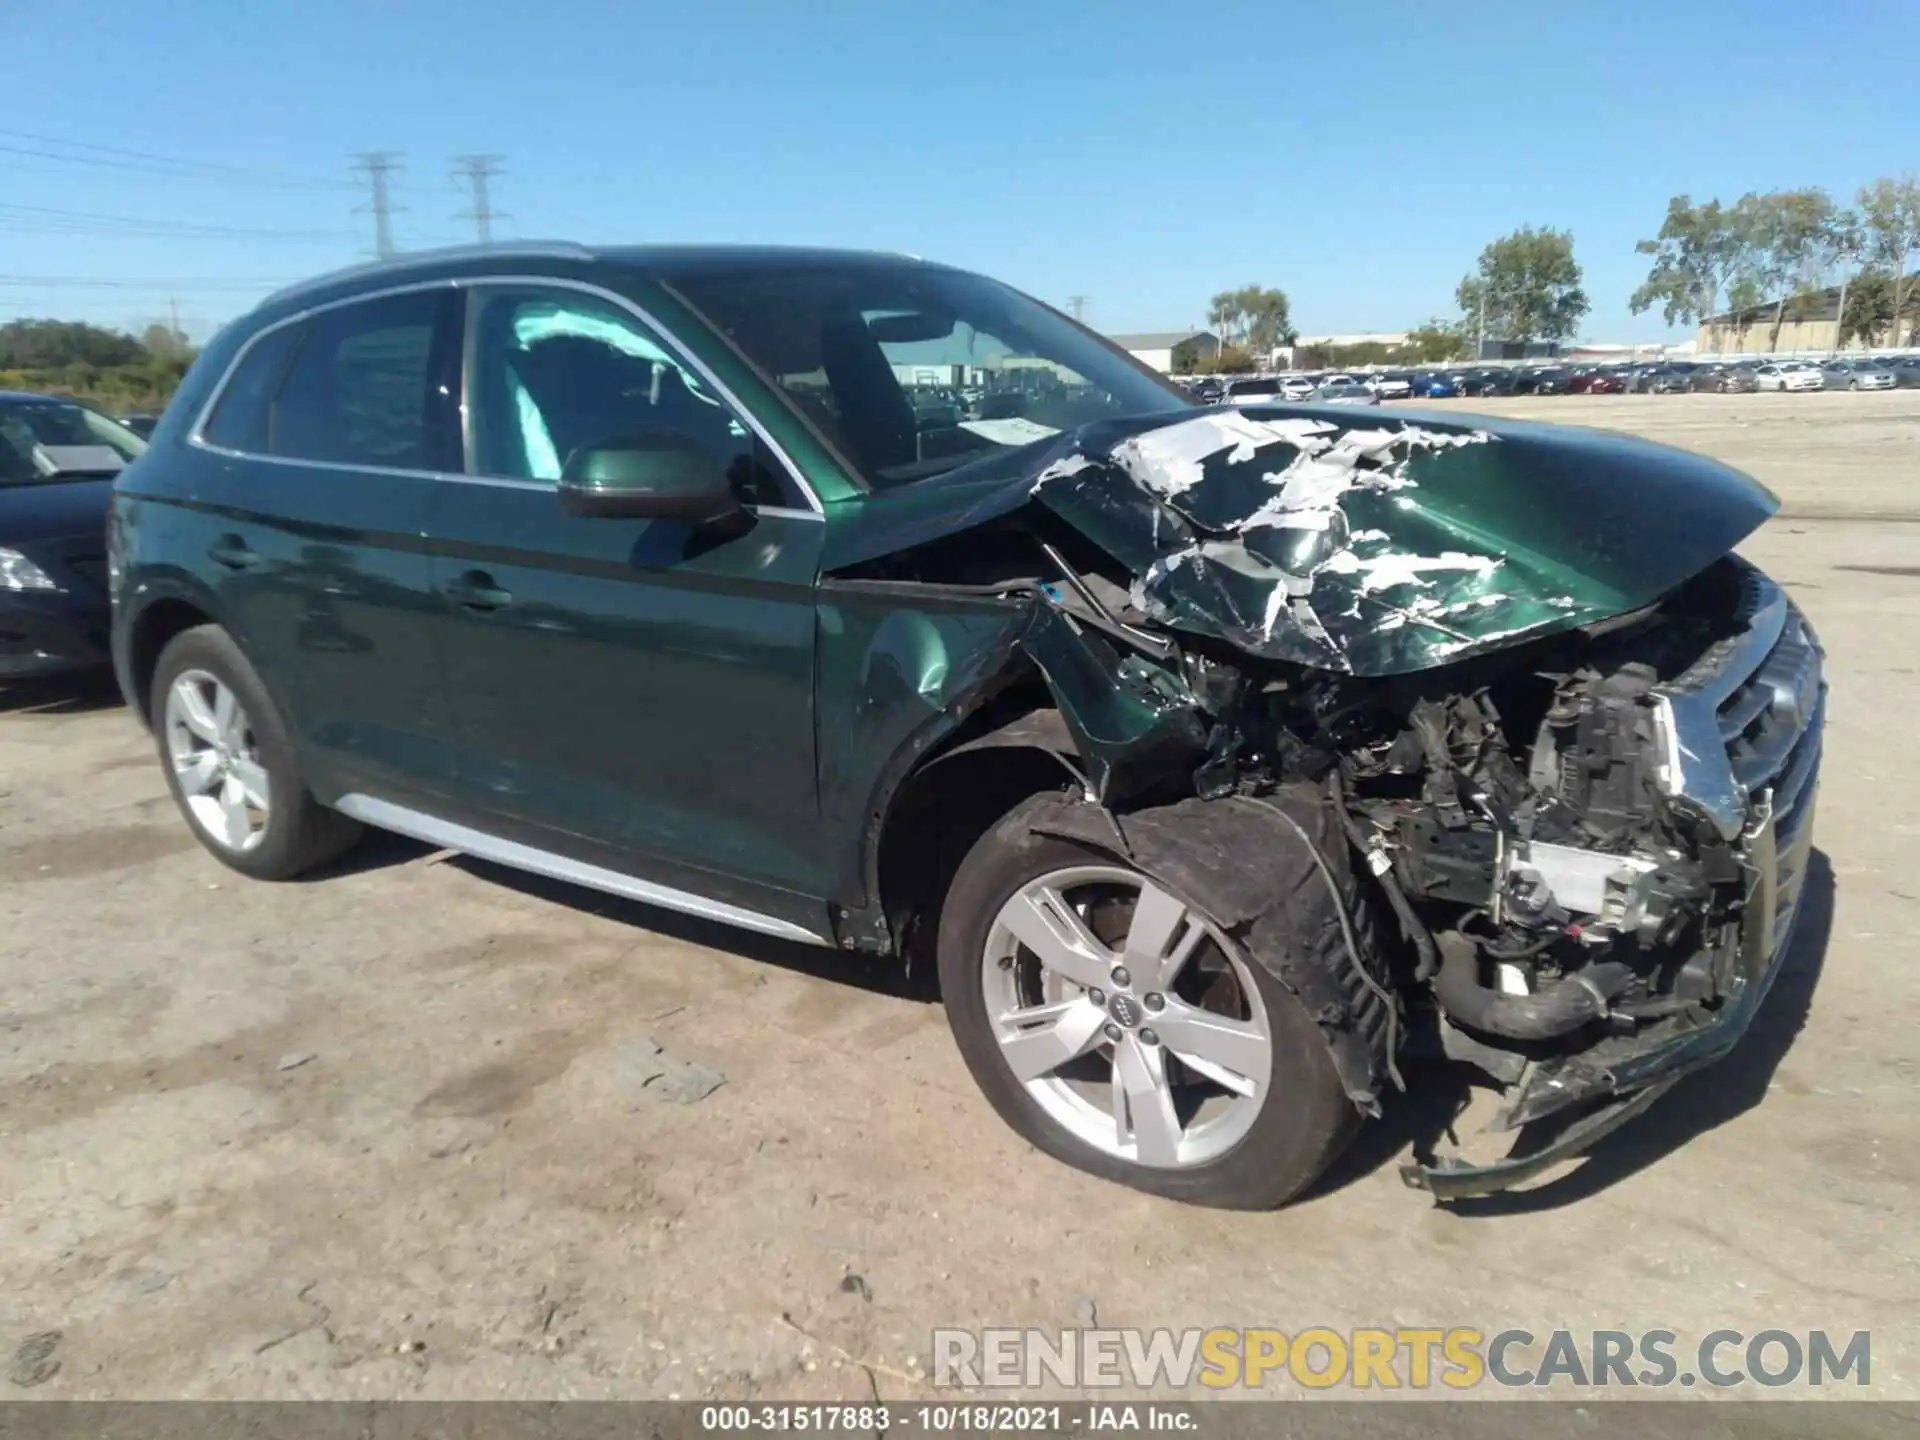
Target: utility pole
x=1480 y=344
x=377 y=165
x=478 y=170
x=1077 y=307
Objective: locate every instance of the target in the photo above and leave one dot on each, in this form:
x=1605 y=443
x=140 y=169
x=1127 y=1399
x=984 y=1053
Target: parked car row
x=1662 y=377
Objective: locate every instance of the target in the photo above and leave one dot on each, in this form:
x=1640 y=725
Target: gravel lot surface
x=386 y=1132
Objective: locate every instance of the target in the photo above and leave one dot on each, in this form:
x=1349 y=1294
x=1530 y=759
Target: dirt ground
x=383 y=1133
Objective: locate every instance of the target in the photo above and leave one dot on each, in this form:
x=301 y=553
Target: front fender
x=903 y=668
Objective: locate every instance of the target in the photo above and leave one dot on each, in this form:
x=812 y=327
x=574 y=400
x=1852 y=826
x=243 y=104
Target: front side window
x=356 y=392
x=911 y=369
x=554 y=371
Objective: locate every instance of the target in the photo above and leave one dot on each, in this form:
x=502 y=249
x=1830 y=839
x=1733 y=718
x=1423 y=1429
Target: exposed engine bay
x=1583 y=822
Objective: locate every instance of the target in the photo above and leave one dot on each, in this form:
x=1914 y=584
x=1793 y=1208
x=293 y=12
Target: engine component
x=1576 y=999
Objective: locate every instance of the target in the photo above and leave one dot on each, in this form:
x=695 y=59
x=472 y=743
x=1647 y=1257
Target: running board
x=435 y=831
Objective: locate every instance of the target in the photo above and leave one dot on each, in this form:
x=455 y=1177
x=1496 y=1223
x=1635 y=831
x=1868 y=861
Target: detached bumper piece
x=1457 y=1181
x=1760 y=699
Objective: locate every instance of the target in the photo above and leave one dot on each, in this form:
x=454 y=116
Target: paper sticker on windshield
x=1009 y=432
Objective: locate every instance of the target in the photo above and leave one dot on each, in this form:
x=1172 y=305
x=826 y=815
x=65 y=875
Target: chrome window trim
x=196 y=437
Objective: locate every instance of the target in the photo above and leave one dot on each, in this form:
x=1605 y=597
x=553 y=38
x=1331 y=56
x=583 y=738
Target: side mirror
x=649 y=475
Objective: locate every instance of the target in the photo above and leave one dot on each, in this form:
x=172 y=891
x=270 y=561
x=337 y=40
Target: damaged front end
x=1607 y=851
x=1571 y=746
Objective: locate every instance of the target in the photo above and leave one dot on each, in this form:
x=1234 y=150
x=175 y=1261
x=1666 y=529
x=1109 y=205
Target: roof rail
x=414 y=259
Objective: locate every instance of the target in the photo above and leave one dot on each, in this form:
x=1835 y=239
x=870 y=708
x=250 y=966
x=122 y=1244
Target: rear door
x=636 y=693
x=325 y=440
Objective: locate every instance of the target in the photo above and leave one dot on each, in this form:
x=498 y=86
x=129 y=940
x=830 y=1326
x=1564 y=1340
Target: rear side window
x=356 y=391
x=239 y=420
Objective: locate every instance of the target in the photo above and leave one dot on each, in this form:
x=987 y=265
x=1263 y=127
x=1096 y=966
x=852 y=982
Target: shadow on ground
x=375 y=850
x=878 y=974
x=60 y=694
x=1701 y=1102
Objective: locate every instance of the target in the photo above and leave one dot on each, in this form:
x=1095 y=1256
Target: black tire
x=1306 y=1118
x=300 y=832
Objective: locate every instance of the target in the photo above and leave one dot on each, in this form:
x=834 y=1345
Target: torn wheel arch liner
x=1252 y=876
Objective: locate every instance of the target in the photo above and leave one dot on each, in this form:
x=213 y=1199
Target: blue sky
x=1357 y=156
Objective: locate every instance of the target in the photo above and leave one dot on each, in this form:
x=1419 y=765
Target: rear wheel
x=230 y=765
x=1116 y=1027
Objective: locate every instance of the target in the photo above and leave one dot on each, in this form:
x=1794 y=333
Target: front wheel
x=1853 y=384
x=1113 y=1025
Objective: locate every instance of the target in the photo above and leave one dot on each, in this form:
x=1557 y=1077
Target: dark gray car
x=1906 y=371
x=1723 y=379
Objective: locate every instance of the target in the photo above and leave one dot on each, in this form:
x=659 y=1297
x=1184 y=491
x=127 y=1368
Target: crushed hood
x=1370 y=545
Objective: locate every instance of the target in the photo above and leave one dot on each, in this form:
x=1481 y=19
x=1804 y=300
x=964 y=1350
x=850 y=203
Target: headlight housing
x=17 y=572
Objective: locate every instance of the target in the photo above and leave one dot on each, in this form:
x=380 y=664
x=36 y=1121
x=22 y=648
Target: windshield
x=49 y=440
x=910 y=369
x=1254 y=387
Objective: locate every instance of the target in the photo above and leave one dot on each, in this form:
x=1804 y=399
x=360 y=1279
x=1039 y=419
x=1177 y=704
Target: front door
x=638 y=693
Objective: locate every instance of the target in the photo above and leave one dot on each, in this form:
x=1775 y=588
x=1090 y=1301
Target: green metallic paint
x=895 y=676
x=329 y=589
x=1133 y=722
x=648 y=685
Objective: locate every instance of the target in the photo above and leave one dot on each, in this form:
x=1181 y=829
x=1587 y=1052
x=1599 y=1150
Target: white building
x=1161 y=349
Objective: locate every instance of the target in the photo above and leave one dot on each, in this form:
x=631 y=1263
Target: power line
x=54 y=220
x=113 y=158
x=377 y=165
x=478 y=170
x=165 y=285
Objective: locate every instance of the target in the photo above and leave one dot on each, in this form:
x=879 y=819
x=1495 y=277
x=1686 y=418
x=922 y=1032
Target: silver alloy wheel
x=211 y=746
x=1152 y=1044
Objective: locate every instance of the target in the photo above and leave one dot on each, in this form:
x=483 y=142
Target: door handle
x=233 y=553
x=475 y=590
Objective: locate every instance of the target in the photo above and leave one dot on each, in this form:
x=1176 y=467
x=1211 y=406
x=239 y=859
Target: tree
x=52 y=344
x=165 y=342
x=1528 y=287
x=1868 y=307
x=1252 y=317
x=1701 y=251
x=104 y=367
x=1232 y=360
x=1435 y=340
x=1792 y=238
x=1890 y=238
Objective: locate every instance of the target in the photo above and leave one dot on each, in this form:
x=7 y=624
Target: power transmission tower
x=1077 y=307
x=478 y=170
x=377 y=165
